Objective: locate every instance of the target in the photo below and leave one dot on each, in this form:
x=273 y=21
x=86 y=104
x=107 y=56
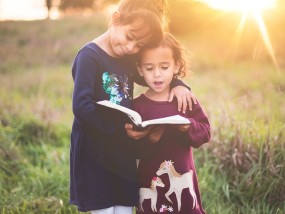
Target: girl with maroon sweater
x=168 y=179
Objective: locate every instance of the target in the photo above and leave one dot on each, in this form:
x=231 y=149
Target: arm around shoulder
x=199 y=131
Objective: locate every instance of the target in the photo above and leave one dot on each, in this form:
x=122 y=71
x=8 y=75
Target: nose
x=157 y=72
x=131 y=47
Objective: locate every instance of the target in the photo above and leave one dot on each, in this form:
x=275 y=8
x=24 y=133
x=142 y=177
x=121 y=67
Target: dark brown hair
x=178 y=52
x=151 y=13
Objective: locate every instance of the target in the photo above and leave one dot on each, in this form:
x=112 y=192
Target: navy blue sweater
x=103 y=169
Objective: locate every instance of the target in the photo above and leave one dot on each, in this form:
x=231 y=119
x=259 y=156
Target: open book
x=137 y=120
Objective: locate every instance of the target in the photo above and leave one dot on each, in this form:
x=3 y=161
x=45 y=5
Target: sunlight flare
x=248 y=7
x=241 y=5
x=240 y=28
x=265 y=37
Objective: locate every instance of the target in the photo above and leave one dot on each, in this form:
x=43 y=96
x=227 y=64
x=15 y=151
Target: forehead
x=140 y=30
x=157 y=54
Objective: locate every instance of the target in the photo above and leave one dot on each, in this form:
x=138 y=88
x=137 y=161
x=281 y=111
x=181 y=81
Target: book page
x=133 y=115
x=137 y=120
x=176 y=119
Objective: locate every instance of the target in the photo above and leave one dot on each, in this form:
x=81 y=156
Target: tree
x=64 y=4
x=48 y=5
x=110 y=1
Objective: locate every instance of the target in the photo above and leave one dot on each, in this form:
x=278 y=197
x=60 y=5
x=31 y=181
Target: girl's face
x=127 y=39
x=158 y=67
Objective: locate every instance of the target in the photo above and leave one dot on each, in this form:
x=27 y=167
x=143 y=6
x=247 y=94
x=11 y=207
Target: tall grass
x=248 y=146
x=241 y=170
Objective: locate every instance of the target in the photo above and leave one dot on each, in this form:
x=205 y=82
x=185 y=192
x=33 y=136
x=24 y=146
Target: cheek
x=169 y=75
x=135 y=50
x=148 y=78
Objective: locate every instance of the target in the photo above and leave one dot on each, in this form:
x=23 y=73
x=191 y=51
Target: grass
x=241 y=170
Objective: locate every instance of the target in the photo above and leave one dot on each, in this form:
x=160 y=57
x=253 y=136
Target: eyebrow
x=143 y=35
x=133 y=36
x=147 y=64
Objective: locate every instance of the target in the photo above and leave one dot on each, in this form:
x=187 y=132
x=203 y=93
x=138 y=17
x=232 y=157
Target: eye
x=149 y=68
x=164 y=66
x=140 y=45
x=129 y=38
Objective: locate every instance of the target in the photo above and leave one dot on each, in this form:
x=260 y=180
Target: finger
x=193 y=97
x=137 y=135
x=171 y=95
x=128 y=126
x=147 y=130
x=154 y=129
x=189 y=102
x=184 y=104
x=186 y=127
x=179 y=103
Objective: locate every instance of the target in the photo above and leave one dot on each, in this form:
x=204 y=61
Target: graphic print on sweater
x=151 y=193
x=178 y=182
x=116 y=87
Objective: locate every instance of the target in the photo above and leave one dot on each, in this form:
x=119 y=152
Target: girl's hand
x=184 y=97
x=183 y=128
x=156 y=133
x=135 y=134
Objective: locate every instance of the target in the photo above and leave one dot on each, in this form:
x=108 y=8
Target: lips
x=122 y=50
x=158 y=83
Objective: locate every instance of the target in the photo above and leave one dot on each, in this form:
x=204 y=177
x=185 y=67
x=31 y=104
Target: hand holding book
x=137 y=120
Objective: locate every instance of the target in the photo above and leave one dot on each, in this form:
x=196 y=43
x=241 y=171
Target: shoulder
x=139 y=101
x=197 y=110
x=139 y=98
x=89 y=49
x=88 y=55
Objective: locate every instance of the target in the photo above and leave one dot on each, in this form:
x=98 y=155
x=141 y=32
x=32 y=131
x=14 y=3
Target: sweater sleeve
x=84 y=106
x=200 y=129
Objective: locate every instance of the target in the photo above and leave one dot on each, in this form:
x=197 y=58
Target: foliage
x=197 y=19
x=106 y=2
x=48 y=4
x=64 y=4
x=248 y=144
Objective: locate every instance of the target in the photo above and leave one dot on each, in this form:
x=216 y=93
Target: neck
x=157 y=96
x=103 y=41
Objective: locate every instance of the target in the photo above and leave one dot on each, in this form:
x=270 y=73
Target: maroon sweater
x=168 y=179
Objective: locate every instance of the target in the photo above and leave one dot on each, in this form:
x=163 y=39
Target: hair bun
x=159 y=7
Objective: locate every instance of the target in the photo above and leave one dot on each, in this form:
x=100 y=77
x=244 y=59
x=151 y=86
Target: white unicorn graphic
x=151 y=193
x=178 y=182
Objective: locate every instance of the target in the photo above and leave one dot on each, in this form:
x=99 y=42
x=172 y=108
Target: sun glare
x=25 y=10
x=241 y=5
x=253 y=8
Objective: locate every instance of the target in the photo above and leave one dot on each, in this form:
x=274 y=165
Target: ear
x=139 y=70
x=116 y=18
x=177 y=67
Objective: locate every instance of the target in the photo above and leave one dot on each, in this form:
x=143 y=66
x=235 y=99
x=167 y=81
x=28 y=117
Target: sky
x=35 y=9
x=22 y=9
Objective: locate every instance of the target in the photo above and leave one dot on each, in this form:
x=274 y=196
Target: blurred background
x=236 y=51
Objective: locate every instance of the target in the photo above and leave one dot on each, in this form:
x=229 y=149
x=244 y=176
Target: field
x=241 y=170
